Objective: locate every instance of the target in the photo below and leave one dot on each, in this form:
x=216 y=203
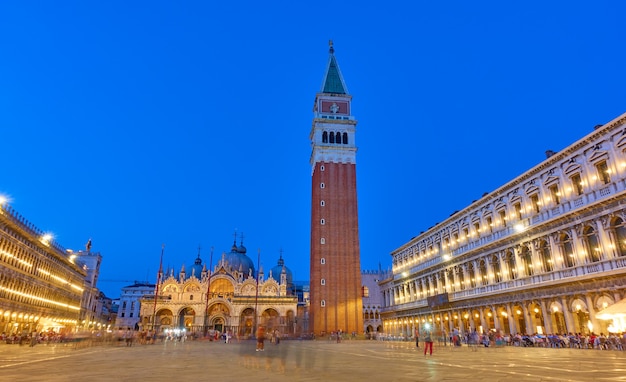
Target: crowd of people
x=601 y=341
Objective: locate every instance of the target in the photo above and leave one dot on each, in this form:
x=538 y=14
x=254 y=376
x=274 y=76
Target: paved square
x=318 y=360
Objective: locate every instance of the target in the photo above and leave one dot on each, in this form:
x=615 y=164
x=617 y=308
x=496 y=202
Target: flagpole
x=208 y=291
x=156 y=289
x=256 y=298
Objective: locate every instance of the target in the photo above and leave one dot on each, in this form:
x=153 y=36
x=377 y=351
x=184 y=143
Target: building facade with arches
x=544 y=253
x=232 y=297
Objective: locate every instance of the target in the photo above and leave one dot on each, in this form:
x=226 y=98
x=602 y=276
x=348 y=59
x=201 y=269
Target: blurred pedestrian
x=428 y=342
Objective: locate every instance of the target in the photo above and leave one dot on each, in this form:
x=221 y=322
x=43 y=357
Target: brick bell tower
x=335 y=291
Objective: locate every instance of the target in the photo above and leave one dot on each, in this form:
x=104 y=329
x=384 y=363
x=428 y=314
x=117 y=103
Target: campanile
x=335 y=291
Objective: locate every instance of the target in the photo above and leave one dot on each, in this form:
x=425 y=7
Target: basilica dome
x=239 y=261
x=278 y=269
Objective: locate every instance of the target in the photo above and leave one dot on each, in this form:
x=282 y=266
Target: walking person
x=417 y=338
x=260 y=338
x=428 y=343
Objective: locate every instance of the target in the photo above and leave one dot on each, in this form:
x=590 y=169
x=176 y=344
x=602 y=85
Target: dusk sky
x=142 y=123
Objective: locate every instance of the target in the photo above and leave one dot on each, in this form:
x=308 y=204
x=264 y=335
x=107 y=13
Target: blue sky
x=142 y=123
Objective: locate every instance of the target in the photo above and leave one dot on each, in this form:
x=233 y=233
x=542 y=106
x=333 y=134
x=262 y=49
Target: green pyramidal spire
x=333 y=81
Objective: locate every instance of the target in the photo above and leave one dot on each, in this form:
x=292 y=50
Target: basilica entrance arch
x=246 y=323
x=186 y=318
x=218 y=324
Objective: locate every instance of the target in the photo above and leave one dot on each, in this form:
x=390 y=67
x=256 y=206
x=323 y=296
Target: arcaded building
x=41 y=283
x=335 y=275
x=543 y=253
x=232 y=297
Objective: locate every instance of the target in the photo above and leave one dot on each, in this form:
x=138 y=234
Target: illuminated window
x=518 y=210
x=365 y=291
x=534 y=200
x=502 y=214
x=603 y=172
x=577 y=183
x=554 y=192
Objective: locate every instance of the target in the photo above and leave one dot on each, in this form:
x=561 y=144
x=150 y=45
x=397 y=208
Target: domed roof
x=238 y=260
x=278 y=269
x=196 y=268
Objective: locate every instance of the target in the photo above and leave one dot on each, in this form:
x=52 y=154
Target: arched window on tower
x=345 y=138
x=338 y=137
x=324 y=137
x=332 y=137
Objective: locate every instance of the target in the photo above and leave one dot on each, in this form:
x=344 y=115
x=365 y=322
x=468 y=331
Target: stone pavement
x=318 y=360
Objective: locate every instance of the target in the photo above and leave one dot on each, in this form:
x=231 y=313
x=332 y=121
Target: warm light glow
x=13 y=257
x=555 y=309
x=518 y=227
x=518 y=312
x=65 y=305
x=536 y=310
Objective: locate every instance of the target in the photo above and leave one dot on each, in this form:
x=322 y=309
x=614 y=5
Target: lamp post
x=208 y=291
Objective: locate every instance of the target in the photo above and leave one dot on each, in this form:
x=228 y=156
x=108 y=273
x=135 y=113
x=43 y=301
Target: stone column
x=569 y=319
x=547 y=319
x=483 y=323
x=592 y=312
x=527 y=318
x=496 y=318
x=512 y=324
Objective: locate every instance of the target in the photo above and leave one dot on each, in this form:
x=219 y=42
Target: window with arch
x=322 y=203
x=495 y=265
x=322 y=221
x=472 y=275
x=338 y=137
x=527 y=261
x=619 y=229
x=322 y=240
x=323 y=303
x=345 y=138
x=546 y=257
x=482 y=271
x=322 y=185
x=332 y=137
x=451 y=280
x=323 y=281
x=324 y=137
x=590 y=240
x=568 y=250
x=461 y=277
x=322 y=168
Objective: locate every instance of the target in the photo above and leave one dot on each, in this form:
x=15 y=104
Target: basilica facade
x=543 y=253
x=232 y=297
